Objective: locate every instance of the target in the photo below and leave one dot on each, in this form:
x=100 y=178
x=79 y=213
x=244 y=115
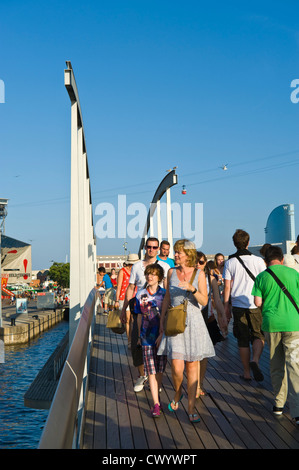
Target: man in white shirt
x=137 y=280
x=239 y=273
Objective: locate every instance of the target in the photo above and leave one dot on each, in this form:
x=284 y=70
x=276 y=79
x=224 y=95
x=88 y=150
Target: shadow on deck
x=234 y=414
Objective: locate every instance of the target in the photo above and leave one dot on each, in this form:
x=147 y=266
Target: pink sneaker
x=156 y=411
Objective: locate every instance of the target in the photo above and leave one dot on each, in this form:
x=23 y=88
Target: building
x=111 y=261
x=16 y=260
x=281 y=224
x=280 y=229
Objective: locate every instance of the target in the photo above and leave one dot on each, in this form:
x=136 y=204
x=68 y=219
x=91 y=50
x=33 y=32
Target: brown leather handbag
x=176 y=316
x=114 y=323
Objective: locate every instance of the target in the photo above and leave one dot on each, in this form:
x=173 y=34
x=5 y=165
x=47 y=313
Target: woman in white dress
x=186 y=349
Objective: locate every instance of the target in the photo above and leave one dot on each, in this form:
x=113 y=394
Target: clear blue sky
x=162 y=83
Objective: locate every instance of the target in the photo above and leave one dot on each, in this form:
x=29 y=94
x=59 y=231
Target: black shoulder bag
x=246 y=269
x=283 y=288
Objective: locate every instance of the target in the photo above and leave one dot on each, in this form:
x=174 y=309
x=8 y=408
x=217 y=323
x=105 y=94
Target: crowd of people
x=260 y=294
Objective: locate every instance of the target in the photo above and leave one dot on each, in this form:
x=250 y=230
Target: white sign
x=21 y=306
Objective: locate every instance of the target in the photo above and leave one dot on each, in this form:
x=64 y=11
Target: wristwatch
x=194 y=292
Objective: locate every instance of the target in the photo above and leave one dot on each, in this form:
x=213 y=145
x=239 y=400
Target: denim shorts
x=247 y=325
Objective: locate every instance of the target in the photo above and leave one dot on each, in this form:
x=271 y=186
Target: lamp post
x=125 y=248
x=3 y=214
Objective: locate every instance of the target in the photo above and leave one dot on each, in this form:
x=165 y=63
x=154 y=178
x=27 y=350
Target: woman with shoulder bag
x=194 y=343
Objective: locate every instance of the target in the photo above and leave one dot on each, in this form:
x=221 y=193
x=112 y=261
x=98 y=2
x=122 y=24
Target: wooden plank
x=234 y=414
x=129 y=373
x=100 y=441
x=125 y=435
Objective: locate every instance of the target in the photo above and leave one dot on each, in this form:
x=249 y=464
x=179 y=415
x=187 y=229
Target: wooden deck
x=234 y=414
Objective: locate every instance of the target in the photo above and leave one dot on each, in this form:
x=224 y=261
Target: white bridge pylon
x=164 y=187
x=82 y=236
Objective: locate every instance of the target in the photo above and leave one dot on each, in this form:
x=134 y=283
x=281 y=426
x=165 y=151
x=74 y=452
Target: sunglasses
x=201 y=262
x=152 y=247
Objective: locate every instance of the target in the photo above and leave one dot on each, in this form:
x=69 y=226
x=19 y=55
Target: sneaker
x=140 y=383
x=105 y=312
x=155 y=411
x=277 y=411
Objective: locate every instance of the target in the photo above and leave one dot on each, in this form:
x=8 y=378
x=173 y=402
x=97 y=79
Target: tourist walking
x=281 y=327
x=137 y=281
x=240 y=271
x=113 y=277
x=105 y=282
x=148 y=307
x=194 y=344
x=122 y=285
x=164 y=253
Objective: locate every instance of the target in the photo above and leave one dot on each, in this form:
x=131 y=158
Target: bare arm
x=128 y=297
x=226 y=295
x=119 y=284
x=218 y=304
x=258 y=301
x=201 y=294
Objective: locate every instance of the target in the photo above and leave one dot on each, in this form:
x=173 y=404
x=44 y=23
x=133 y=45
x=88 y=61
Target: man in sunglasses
x=137 y=281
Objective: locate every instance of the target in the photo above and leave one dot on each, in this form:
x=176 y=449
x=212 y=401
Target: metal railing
x=64 y=426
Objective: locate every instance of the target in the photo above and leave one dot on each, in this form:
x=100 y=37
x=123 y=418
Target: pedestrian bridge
x=234 y=414
x=95 y=407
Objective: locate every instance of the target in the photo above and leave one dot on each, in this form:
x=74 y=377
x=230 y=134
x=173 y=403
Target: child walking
x=148 y=307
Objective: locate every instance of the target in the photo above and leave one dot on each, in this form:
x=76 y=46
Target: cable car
x=184 y=190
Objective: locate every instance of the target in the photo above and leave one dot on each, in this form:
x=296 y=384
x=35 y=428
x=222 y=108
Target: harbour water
x=21 y=427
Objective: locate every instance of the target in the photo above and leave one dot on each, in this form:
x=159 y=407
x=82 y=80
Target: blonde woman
x=186 y=349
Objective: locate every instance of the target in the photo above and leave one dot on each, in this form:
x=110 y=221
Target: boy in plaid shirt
x=148 y=307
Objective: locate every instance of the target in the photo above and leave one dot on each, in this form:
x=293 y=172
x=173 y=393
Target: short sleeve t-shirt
x=137 y=276
x=242 y=282
x=278 y=312
x=149 y=306
x=107 y=281
x=169 y=261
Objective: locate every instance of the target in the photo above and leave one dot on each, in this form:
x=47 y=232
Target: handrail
x=63 y=427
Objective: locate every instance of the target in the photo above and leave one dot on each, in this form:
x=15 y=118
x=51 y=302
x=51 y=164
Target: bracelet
x=194 y=292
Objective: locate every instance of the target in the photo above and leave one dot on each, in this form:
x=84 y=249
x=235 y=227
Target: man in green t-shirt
x=281 y=328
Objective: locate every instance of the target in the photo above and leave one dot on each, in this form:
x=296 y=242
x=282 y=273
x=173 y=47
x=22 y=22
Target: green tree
x=60 y=273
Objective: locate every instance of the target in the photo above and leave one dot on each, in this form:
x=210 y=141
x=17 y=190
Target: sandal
x=200 y=393
x=257 y=373
x=245 y=378
x=175 y=403
x=194 y=418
